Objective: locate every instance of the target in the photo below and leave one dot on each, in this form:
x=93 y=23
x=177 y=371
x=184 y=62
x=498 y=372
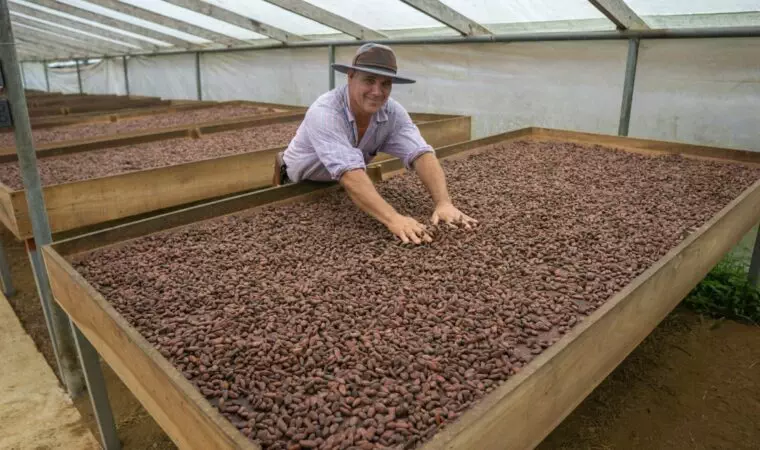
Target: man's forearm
x=430 y=172
x=365 y=196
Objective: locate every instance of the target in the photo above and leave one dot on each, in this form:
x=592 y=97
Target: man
x=346 y=127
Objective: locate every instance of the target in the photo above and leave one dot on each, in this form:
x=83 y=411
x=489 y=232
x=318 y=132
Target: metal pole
x=23 y=75
x=198 y=75
x=93 y=373
x=126 y=73
x=5 y=274
x=57 y=321
x=331 y=61
x=754 y=266
x=47 y=76
x=628 y=85
x=79 y=78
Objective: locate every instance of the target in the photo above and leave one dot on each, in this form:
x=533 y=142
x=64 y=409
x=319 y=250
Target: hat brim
x=343 y=68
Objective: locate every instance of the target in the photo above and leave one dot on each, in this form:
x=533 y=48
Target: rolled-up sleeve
x=329 y=134
x=405 y=141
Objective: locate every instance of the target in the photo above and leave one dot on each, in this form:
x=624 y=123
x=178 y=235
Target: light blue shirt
x=325 y=145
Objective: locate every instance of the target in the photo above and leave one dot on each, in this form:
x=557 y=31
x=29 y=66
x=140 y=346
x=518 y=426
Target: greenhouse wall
x=704 y=91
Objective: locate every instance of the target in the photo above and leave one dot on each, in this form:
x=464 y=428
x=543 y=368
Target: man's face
x=368 y=92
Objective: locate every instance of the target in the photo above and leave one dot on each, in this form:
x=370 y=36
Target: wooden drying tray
x=516 y=415
x=67 y=101
x=88 y=202
x=116 y=115
x=109 y=105
x=156 y=134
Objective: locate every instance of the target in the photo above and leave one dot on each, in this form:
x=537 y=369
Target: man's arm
x=365 y=196
x=430 y=172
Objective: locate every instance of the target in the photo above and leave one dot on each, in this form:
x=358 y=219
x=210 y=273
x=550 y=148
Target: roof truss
x=334 y=21
x=448 y=16
x=620 y=14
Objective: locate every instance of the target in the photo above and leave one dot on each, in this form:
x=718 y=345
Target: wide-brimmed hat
x=375 y=58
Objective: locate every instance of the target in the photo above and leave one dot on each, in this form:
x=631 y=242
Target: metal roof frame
x=629 y=25
x=179 y=25
x=94 y=42
x=37 y=14
x=448 y=16
x=236 y=19
x=334 y=21
x=114 y=23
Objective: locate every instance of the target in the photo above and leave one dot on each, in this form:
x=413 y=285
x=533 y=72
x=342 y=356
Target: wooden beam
x=150 y=16
x=36 y=14
x=114 y=23
x=620 y=14
x=334 y=21
x=448 y=16
x=93 y=42
x=236 y=19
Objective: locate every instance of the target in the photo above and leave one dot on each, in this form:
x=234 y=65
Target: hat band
x=376 y=66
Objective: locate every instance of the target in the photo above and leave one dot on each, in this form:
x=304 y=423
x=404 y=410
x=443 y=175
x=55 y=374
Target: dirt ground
x=33 y=407
x=693 y=383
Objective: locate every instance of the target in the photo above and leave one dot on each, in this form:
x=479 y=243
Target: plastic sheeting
x=105 y=77
x=292 y=76
x=34 y=75
x=169 y=76
x=704 y=91
x=508 y=86
x=64 y=79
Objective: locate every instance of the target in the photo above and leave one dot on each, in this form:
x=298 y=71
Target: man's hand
x=450 y=215
x=407 y=229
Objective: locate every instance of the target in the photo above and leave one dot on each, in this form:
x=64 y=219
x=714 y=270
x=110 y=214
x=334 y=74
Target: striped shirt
x=325 y=145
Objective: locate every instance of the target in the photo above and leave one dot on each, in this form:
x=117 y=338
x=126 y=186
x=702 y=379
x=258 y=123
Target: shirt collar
x=380 y=116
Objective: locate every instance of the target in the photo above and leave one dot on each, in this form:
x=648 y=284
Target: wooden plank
x=100 y=106
x=230 y=17
x=448 y=16
x=620 y=14
x=520 y=413
x=7 y=211
x=627 y=143
x=305 y=9
x=178 y=407
x=113 y=116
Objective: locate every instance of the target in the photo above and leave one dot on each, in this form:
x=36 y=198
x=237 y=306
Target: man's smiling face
x=368 y=92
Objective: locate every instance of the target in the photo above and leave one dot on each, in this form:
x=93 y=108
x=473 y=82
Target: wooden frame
x=151 y=135
x=98 y=200
x=101 y=105
x=516 y=415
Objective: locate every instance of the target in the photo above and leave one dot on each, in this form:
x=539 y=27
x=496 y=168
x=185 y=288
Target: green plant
x=726 y=292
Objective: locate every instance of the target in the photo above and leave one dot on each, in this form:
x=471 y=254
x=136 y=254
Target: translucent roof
x=285 y=20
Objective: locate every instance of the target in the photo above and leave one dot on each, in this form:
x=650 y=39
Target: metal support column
x=57 y=320
x=754 y=265
x=630 y=78
x=79 y=78
x=5 y=274
x=23 y=75
x=126 y=73
x=331 y=61
x=93 y=373
x=47 y=75
x=198 y=75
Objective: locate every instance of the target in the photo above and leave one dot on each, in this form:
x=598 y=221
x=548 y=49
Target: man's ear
x=351 y=73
